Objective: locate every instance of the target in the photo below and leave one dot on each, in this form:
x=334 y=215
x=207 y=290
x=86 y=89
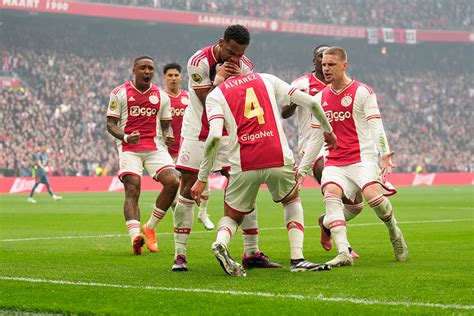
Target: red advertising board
x=110 y=184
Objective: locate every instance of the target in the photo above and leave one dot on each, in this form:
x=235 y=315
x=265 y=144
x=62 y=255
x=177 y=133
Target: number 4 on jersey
x=252 y=106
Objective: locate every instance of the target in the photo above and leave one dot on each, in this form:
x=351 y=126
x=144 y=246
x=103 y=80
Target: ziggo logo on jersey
x=177 y=111
x=338 y=116
x=137 y=111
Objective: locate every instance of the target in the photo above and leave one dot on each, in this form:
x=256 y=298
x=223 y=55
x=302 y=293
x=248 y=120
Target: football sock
x=183 y=217
x=155 y=217
x=133 y=227
x=226 y=228
x=352 y=210
x=334 y=220
x=250 y=233
x=383 y=209
x=294 y=220
x=203 y=205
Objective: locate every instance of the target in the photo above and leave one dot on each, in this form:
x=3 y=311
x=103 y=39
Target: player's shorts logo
x=185 y=100
x=184 y=157
x=196 y=78
x=346 y=101
x=113 y=105
x=153 y=99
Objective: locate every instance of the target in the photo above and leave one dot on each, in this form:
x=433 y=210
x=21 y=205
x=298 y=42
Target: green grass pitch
x=74 y=257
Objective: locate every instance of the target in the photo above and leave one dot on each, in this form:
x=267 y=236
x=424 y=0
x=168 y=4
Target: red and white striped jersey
x=178 y=107
x=348 y=111
x=139 y=111
x=200 y=67
x=249 y=106
x=310 y=84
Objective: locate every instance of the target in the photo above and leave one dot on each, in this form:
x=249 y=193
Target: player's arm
x=377 y=131
x=113 y=117
x=216 y=125
x=312 y=149
x=313 y=105
x=165 y=119
x=288 y=110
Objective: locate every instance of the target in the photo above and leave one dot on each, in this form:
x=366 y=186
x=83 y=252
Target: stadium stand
x=419 y=14
x=68 y=67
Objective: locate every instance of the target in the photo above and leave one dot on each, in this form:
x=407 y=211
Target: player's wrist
x=218 y=80
x=125 y=138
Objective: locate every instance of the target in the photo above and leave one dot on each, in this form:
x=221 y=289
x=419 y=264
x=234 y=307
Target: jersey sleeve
x=165 y=107
x=367 y=102
x=314 y=121
x=114 y=108
x=214 y=109
x=198 y=71
x=282 y=89
x=246 y=65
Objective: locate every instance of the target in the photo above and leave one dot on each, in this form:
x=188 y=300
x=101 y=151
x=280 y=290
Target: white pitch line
x=318 y=297
x=207 y=232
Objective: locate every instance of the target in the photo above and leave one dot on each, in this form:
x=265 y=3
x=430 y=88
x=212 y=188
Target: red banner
x=221 y=21
x=110 y=184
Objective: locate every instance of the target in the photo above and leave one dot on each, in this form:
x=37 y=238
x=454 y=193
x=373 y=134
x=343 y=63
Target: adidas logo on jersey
x=325 y=103
x=131 y=99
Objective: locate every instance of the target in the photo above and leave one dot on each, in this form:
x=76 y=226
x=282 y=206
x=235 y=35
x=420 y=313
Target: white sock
x=383 y=209
x=133 y=227
x=203 y=205
x=226 y=228
x=334 y=220
x=183 y=217
x=250 y=233
x=352 y=210
x=294 y=220
x=155 y=217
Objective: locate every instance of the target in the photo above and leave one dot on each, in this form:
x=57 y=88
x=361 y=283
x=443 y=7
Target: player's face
x=333 y=68
x=172 y=79
x=231 y=51
x=144 y=70
x=318 y=59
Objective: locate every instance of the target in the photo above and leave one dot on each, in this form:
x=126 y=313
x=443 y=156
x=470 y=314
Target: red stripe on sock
x=180 y=200
x=376 y=201
x=182 y=230
x=158 y=214
x=252 y=231
x=336 y=224
x=387 y=218
x=226 y=229
x=295 y=225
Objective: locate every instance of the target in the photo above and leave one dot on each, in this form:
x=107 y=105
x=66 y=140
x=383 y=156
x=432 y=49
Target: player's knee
x=371 y=191
x=318 y=169
x=331 y=188
x=132 y=190
x=238 y=217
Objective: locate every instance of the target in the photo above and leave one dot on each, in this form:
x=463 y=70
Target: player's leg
x=130 y=175
x=32 y=192
x=131 y=211
x=45 y=180
x=283 y=188
x=240 y=195
x=160 y=165
x=373 y=193
x=203 y=216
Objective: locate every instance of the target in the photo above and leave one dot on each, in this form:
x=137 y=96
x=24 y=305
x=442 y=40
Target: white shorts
x=191 y=153
x=242 y=189
x=154 y=161
x=355 y=177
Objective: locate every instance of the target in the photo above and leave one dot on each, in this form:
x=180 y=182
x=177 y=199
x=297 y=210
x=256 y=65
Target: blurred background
x=61 y=59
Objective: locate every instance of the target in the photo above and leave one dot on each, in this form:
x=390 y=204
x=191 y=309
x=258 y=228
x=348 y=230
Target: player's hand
x=196 y=191
x=386 y=164
x=300 y=180
x=134 y=137
x=227 y=69
x=169 y=140
x=331 y=140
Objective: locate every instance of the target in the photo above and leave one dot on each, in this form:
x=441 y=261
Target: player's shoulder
x=364 y=88
x=199 y=57
x=247 y=62
x=117 y=89
x=301 y=81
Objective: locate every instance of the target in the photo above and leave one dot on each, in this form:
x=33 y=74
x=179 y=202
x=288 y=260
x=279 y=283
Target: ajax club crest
x=153 y=99
x=346 y=101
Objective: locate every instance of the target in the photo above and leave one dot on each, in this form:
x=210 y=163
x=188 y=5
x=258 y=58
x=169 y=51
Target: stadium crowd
x=65 y=94
x=419 y=14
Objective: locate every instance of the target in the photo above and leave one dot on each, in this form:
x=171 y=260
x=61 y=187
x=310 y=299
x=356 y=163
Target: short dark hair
x=238 y=33
x=171 y=66
x=142 y=57
x=319 y=47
